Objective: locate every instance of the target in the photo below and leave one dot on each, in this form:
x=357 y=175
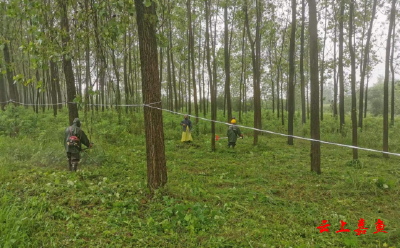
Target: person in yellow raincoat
x=186 y=130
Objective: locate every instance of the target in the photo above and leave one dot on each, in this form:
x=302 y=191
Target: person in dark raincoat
x=233 y=133
x=74 y=138
x=186 y=130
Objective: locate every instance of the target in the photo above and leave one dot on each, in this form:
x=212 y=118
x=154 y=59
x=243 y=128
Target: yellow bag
x=186 y=136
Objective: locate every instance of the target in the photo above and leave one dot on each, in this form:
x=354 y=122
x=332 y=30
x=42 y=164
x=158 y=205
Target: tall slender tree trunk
x=315 y=133
x=303 y=97
x=118 y=91
x=126 y=82
x=341 y=76
x=151 y=88
x=87 y=58
x=169 y=78
x=215 y=75
x=335 y=81
x=255 y=55
x=227 y=63
x=392 y=72
x=210 y=77
x=366 y=97
x=67 y=63
x=386 y=82
x=242 y=75
x=353 y=82
x=2 y=93
x=365 y=66
x=193 y=71
x=291 y=85
x=54 y=81
x=283 y=113
x=13 y=93
x=323 y=66
x=172 y=61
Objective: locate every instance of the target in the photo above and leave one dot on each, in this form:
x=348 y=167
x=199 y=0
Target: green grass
x=253 y=196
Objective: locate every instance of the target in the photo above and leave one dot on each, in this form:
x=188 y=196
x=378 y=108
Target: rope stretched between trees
x=281 y=134
x=205 y=119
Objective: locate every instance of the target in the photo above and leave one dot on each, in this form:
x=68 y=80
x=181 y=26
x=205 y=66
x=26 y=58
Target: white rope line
x=205 y=119
x=281 y=134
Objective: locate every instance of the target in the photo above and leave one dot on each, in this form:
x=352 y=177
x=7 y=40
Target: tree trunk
x=227 y=64
x=54 y=81
x=173 y=66
x=151 y=88
x=386 y=83
x=255 y=55
x=291 y=85
x=335 y=83
x=353 y=82
x=87 y=58
x=315 y=133
x=191 y=44
x=341 y=76
x=282 y=114
x=210 y=78
x=365 y=66
x=67 y=63
x=118 y=91
x=126 y=83
x=323 y=66
x=366 y=97
x=13 y=93
x=3 y=99
x=169 y=78
x=242 y=75
x=393 y=72
x=303 y=95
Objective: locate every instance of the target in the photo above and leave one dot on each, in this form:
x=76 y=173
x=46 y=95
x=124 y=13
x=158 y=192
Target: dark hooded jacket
x=233 y=133
x=188 y=123
x=77 y=131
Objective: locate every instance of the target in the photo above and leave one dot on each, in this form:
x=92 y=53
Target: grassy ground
x=253 y=196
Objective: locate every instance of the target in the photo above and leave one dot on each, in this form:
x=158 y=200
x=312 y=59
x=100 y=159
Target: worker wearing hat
x=233 y=133
x=74 y=138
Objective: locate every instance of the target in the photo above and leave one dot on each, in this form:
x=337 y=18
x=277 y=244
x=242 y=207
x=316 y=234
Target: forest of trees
x=202 y=56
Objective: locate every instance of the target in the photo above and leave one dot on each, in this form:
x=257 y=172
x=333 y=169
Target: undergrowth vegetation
x=253 y=196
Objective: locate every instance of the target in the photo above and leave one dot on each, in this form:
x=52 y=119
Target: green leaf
x=147 y=3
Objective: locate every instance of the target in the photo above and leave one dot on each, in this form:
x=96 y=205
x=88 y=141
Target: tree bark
x=126 y=83
x=291 y=85
x=340 y=70
x=227 y=64
x=335 y=83
x=54 y=81
x=366 y=97
x=303 y=95
x=365 y=66
x=392 y=72
x=242 y=75
x=151 y=88
x=3 y=99
x=323 y=67
x=87 y=58
x=386 y=83
x=13 y=93
x=315 y=132
x=210 y=77
x=255 y=55
x=353 y=82
x=67 y=63
x=191 y=44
